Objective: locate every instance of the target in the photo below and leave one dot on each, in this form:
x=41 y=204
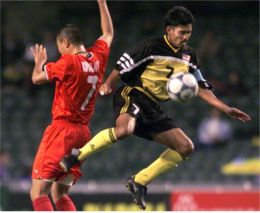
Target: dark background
x=232 y=47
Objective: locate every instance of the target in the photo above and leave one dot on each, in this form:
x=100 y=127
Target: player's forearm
x=106 y=20
x=113 y=78
x=38 y=75
x=211 y=99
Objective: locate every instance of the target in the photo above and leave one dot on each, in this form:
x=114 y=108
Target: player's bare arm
x=112 y=79
x=40 y=58
x=233 y=112
x=106 y=22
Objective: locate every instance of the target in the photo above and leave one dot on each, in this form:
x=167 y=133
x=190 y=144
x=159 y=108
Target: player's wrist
x=108 y=84
x=39 y=61
x=228 y=110
x=39 y=65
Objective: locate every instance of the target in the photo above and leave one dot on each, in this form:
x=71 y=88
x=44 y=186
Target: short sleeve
x=195 y=70
x=57 y=71
x=135 y=56
x=101 y=48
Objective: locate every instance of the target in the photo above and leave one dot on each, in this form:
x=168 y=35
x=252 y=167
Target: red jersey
x=77 y=78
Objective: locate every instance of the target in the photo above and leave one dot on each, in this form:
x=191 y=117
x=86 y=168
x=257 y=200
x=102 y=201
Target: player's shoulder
x=101 y=39
x=145 y=44
x=156 y=42
x=100 y=42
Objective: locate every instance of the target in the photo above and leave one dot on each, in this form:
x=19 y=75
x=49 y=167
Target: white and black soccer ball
x=182 y=87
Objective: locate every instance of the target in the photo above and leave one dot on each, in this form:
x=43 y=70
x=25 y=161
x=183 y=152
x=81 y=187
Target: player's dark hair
x=178 y=16
x=72 y=33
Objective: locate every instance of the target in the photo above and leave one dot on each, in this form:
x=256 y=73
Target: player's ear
x=66 y=42
x=167 y=29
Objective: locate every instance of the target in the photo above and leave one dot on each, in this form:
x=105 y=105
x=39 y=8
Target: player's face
x=179 y=35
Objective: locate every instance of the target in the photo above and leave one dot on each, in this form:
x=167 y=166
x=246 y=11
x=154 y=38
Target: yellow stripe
x=127 y=99
x=112 y=135
x=124 y=94
x=169 y=44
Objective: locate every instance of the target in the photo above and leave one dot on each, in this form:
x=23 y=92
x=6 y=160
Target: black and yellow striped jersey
x=148 y=65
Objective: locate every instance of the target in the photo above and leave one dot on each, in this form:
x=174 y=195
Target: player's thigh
x=58 y=190
x=39 y=188
x=176 y=139
x=62 y=137
x=125 y=111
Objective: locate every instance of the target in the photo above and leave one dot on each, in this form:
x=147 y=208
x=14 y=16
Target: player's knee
x=58 y=191
x=186 y=148
x=35 y=193
x=124 y=131
x=125 y=125
x=57 y=196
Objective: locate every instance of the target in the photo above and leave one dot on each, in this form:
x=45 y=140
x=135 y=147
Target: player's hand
x=105 y=89
x=39 y=53
x=237 y=114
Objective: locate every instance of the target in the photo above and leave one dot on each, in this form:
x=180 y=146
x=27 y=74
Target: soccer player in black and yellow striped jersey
x=145 y=69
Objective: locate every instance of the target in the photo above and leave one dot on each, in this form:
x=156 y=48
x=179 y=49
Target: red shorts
x=58 y=140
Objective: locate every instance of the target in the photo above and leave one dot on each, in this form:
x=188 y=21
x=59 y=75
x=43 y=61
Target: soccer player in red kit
x=77 y=75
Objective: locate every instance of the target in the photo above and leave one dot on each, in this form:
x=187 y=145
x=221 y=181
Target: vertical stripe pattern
x=126 y=98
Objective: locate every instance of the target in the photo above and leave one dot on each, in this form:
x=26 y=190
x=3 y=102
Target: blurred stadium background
x=226 y=36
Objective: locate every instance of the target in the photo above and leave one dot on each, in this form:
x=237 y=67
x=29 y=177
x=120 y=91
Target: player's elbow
x=39 y=78
x=36 y=81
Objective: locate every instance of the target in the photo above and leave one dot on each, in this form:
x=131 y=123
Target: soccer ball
x=182 y=87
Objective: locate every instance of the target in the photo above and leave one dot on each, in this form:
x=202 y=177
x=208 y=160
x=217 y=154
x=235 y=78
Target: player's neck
x=172 y=43
x=78 y=50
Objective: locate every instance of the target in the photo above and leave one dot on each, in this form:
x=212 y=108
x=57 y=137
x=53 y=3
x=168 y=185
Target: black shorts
x=150 y=118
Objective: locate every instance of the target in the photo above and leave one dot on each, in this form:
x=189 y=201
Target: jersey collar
x=88 y=54
x=169 y=44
